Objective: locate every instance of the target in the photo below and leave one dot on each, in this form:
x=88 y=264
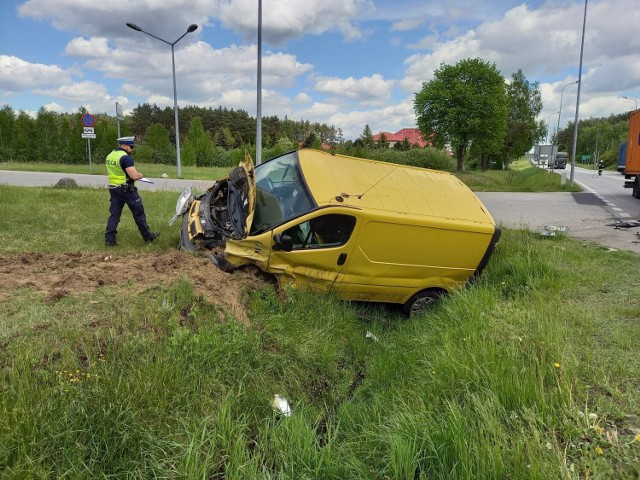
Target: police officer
x=122 y=176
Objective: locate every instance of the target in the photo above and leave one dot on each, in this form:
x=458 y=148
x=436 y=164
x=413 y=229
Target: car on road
x=560 y=160
x=368 y=230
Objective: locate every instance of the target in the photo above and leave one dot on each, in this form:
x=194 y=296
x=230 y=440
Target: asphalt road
x=589 y=215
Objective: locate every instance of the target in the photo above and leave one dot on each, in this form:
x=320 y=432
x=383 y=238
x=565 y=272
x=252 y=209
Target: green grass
x=151 y=170
x=501 y=380
x=520 y=177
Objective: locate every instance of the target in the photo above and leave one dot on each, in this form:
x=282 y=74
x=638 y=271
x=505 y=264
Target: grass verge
x=531 y=373
x=150 y=170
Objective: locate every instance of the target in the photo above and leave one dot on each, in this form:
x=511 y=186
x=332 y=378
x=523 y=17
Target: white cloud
x=407 y=24
x=391 y=118
x=374 y=89
x=77 y=92
x=287 y=19
x=17 y=75
x=96 y=47
x=55 y=107
x=303 y=97
x=107 y=18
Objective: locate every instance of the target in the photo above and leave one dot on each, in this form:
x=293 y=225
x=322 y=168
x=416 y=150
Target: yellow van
x=369 y=230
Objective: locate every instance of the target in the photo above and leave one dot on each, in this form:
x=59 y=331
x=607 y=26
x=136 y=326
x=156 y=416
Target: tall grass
x=531 y=373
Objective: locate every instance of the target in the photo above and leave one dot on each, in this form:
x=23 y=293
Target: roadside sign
x=88 y=130
x=119 y=112
x=88 y=135
x=88 y=120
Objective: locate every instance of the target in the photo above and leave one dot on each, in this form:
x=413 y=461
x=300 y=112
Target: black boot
x=152 y=237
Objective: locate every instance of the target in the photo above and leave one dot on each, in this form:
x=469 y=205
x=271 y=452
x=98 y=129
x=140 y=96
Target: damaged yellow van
x=370 y=231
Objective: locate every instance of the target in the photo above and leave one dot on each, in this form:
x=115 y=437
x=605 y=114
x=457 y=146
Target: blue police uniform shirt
x=125 y=162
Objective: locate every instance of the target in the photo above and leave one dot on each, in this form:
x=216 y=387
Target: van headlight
x=183 y=203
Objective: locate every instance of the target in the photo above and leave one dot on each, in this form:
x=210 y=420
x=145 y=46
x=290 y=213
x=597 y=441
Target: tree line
x=208 y=136
x=598 y=138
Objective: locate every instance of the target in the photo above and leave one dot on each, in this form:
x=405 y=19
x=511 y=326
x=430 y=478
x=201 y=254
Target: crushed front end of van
x=368 y=230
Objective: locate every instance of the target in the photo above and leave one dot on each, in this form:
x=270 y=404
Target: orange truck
x=632 y=164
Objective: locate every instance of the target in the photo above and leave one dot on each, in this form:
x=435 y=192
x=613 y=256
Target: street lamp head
x=192 y=28
x=134 y=27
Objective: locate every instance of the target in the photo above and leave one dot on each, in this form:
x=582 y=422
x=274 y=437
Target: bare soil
x=58 y=275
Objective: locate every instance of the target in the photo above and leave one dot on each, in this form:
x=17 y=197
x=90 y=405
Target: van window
x=326 y=231
x=281 y=192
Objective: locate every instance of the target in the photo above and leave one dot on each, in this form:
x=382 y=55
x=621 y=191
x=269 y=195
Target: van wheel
x=636 y=187
x=421 y=302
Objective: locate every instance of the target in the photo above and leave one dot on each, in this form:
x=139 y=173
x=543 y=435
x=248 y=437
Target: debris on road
x=620 y=224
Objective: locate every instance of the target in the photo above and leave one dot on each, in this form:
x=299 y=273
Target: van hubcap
x=421 y=305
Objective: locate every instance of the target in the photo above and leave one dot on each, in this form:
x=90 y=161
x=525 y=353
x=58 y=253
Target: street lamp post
x=575 y=124
x=549 y=123
x=259 y=90
x=560 y=111
x=192 y=28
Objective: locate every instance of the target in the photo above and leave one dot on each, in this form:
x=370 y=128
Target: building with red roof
x=413 y=135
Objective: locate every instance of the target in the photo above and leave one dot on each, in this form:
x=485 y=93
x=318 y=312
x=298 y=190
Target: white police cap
x=127 y=141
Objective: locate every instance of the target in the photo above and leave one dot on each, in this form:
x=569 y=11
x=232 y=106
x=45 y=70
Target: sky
x=346 y=63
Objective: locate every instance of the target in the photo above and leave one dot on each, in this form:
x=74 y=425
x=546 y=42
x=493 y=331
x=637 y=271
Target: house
x=413 y=135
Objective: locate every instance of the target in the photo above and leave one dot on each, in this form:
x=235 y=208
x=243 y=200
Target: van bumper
x=495 y=238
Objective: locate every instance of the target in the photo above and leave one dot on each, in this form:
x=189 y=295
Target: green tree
x=157 y=148
x=229 y=141
x=524 y=105
x=403 y=146
x=22 y=139
x=283 y=145
x=382 y=141
x=367 y=136
x=465 y=104
x=7 y=118
x=198 y=148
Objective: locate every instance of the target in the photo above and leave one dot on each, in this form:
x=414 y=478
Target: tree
x=158 y=147
x=229 y=141
x=367 y=136
x=198 y=148
x=403 y=146
x=465 y=104
x=22 y=139
x=382 y=141
x=7 y=118
x=524 y=105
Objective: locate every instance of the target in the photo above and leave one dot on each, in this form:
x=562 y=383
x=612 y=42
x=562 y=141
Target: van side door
x=321 y=245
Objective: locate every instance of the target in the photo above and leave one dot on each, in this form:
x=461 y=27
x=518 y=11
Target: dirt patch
x=58 y=275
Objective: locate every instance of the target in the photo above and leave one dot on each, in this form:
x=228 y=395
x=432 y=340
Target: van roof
x=388 y=187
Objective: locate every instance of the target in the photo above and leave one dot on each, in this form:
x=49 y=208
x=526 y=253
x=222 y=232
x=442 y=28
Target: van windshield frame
x=281 y=192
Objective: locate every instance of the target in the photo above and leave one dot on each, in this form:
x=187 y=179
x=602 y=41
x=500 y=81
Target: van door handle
x=342 y=258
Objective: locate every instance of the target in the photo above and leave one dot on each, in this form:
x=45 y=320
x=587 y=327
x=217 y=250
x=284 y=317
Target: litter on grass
x=281 y=405
x=371 y=336
x=553 y=230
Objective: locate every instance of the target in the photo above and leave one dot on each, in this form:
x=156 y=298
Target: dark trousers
x=121 y=196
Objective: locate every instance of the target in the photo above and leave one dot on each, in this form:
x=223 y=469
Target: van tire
x=421 y=302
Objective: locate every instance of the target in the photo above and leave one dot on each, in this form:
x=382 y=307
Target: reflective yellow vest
x=114 y=170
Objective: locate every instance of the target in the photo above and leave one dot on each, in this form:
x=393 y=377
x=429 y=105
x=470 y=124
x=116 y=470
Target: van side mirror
x=282 y=242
